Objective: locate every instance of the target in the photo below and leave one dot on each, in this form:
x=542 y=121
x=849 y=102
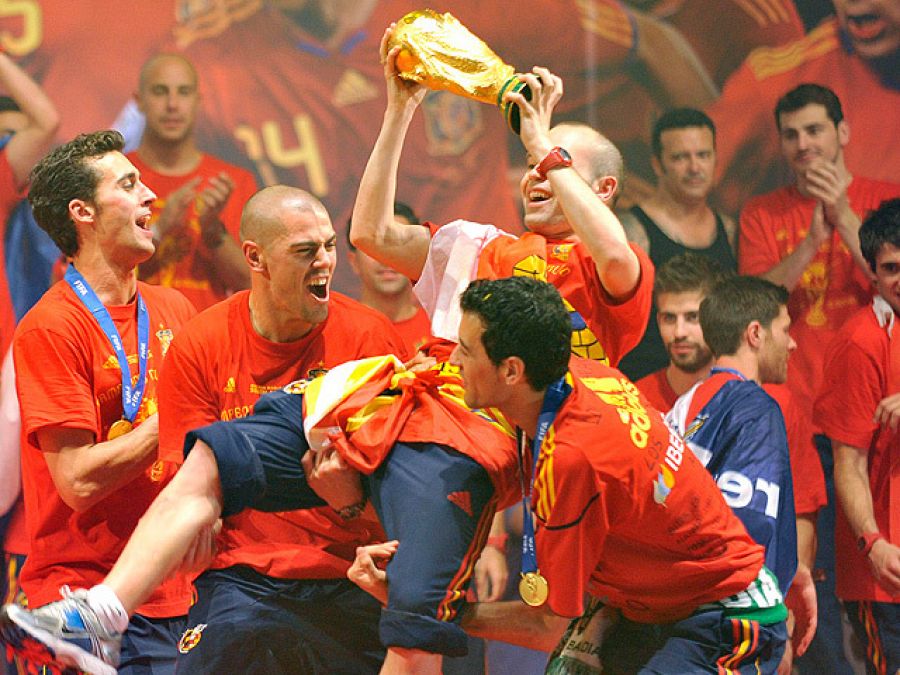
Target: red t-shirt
x=67 y=375
x=832 y=287
x=415 y=331
x=607 y=329
x=631 y=515
x=806 y=467
x=656 y=388
x=186 y=263
x=747 y=144
x=857 y=367
x=214 y=372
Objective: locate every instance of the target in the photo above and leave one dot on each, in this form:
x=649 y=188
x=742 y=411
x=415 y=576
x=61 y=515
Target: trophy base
x=511 y=110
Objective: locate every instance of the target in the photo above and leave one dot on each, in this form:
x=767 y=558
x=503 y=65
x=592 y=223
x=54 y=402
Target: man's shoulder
x=862 y=330
x=868 y=193
x=349 y=313
x=166 y=299
x=54 y=311
x=771 y=204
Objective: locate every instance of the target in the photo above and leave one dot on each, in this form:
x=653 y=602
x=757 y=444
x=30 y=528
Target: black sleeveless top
x=650 y=354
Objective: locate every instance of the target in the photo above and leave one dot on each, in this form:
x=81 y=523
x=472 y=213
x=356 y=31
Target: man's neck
x=400 y=307
x=745 y=364
x=681 y=380
x=114 y=284
x=268 y=323
x=690 y=222
x=170 y=159
x=523 y=409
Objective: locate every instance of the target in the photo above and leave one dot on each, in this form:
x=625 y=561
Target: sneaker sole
x=37 y=645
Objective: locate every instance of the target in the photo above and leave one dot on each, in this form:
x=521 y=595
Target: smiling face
x=168 y=98
x=299 y=260
x=543 y=214
x=687 y=163
x=119 y=212
x=678 y=316
x=873 y=26
x=887 y=275
x=808 y=136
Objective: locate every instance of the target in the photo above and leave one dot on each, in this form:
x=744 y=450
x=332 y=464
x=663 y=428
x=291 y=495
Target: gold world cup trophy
x=437 y=51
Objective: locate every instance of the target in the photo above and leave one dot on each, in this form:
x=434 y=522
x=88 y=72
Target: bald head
x=265 y=213
x=151 y=65
x=602 y=157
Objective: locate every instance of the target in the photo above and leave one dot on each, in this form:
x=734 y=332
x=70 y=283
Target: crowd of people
x=211 y=460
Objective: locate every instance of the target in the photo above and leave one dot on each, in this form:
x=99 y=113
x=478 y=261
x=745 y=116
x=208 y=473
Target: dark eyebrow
x=131 y=175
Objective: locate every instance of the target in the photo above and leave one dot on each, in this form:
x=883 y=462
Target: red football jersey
x=186 y=264
x=832 y=287
x=215 y=373
x=747 y=142
x=627 y=513
x=68 y=376
x=858 y=367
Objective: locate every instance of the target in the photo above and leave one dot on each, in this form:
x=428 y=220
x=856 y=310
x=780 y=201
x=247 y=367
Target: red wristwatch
x=557 y=157
x=867 y=541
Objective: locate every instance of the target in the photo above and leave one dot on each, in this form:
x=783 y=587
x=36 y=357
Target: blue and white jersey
x=737 y=431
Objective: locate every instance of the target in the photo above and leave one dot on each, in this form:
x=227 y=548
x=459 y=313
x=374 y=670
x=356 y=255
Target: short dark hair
x=688 y=273
x=808 y=94
x=65 y=174
x=400 y=209
x=679 y=118
x=732 y=305
x=526 y=318
x=880 y=227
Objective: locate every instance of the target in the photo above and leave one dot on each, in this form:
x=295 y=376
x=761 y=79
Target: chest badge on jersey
x=164 y=335
x=452 y=123
x=191 y=638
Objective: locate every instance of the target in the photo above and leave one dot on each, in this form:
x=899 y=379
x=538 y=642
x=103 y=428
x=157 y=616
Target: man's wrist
x=498 y=541
x=867 y=541
x=352 y=511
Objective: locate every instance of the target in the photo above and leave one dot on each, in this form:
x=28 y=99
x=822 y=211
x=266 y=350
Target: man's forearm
x=851 y=484
x=789 y=269
x=514 y=622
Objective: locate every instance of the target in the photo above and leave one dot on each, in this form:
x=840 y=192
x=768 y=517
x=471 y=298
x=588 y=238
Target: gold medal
x=533 y=588
x=119 y=428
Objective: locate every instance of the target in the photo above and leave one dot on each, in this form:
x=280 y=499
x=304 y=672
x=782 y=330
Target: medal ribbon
x=131 y=396
x=553 y=399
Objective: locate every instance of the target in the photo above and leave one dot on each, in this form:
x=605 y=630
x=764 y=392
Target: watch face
x=565 y=154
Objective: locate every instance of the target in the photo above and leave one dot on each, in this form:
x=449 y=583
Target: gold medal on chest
x=119 y=428
x=533 y=588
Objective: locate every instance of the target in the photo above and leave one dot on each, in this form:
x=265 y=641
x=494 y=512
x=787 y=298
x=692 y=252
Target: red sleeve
x=569 y=542
x=623 y=322
x=53 y=382
x=852 y=388
x=185 y=401
x=757 y=252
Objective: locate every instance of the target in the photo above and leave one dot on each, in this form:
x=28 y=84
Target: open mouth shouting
x=318 y=287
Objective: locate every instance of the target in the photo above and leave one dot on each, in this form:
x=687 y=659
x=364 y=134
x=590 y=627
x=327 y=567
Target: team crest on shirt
x=318 y=371
x=296 y=387
x=164 y=335
x=561 y=251
x=191 y=638
x=452 y=123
